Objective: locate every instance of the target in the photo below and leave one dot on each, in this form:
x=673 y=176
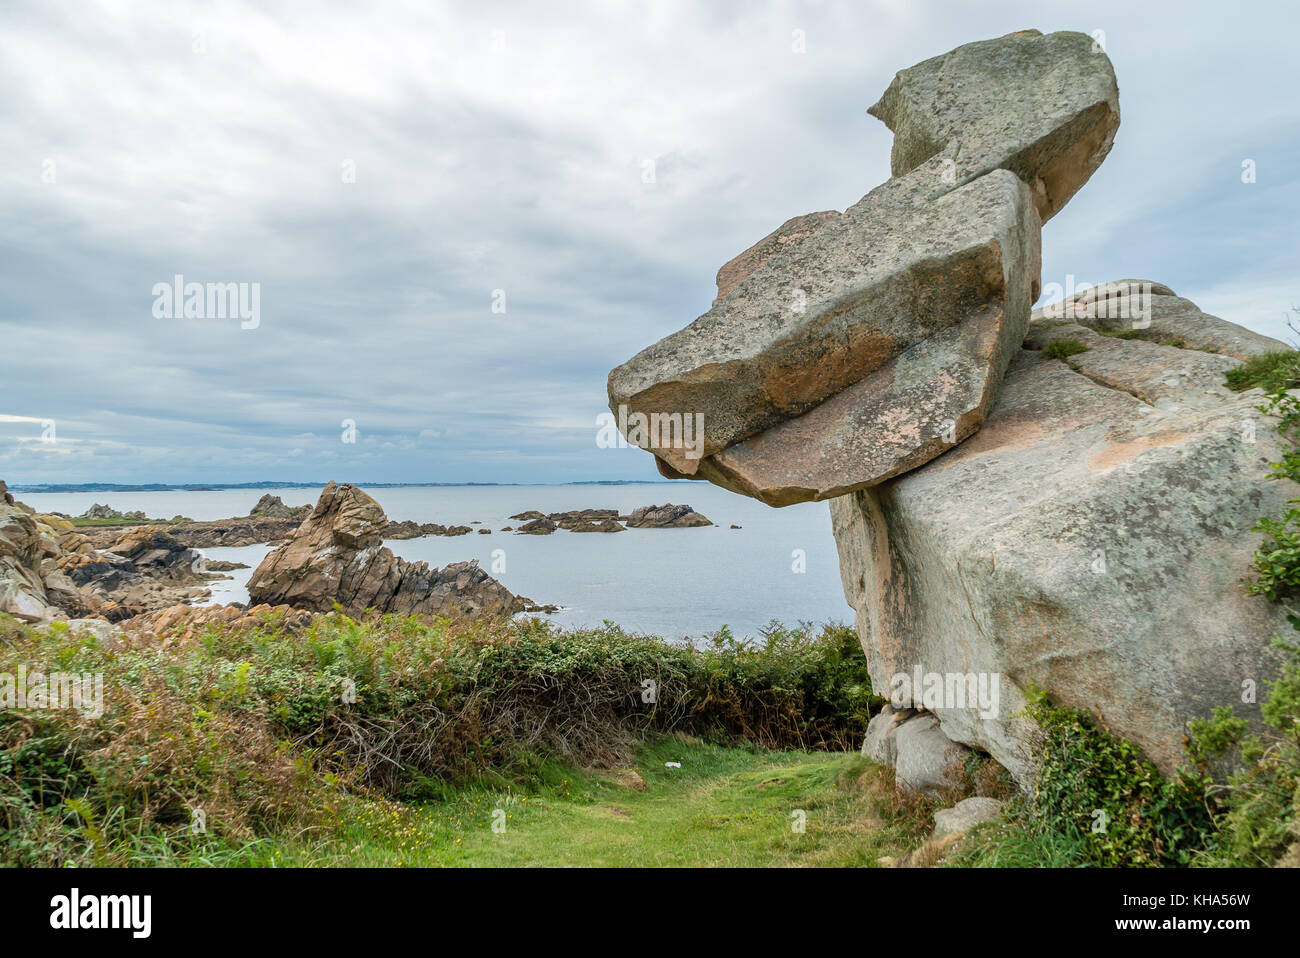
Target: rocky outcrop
x=98 y=511
x=965 y=815
x=28 y=549
x=667 y=516
x=537 y=527
x=208 y=534
x=1092 y=540
x=862 y=345
x=588 y=520
x=273 y=507
x=1152 y=312
x=1064 y=500
x=50 y=570
x=406 y=529
x=337 y=556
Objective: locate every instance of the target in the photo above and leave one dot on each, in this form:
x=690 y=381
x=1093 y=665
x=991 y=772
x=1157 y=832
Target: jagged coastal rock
x=1063 y=500
x=337 y=556
x=273 y=507
x=211 y=533
x=49 y=570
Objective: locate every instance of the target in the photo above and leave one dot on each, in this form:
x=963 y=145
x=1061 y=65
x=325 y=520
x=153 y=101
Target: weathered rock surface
x=965 y=815
x=609 y=520
x=238 y=531
x=49 y=570
x=816 y=318
x=185 y=622
x=732 y=273
x=925 y=759
x=337 y=556
x=844 y=350
x=1140 y=309
x=1092 y=539
x=901 y=416
x=1044 y=107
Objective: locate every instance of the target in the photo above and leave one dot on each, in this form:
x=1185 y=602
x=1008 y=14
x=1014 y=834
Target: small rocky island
x=667 y=516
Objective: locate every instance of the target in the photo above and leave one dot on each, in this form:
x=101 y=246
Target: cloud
x=380 y=175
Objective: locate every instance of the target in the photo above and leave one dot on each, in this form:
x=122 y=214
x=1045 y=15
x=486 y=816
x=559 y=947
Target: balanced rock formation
x=1066 y=503
x=861 y=345
x=337 y=556
x=1091 y=540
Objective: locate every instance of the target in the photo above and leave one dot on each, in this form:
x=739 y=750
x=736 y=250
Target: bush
x=1093 y=785
x=265 y=728
x=1061 y=348
x=1260 y=823
x=1273 y=372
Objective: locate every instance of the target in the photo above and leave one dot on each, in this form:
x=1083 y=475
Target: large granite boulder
x=1044 y=107
x=846 y=349
x=733 y=272
x=337 y=556
x=1092 y=540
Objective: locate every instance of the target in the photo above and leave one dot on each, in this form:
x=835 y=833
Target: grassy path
x=722 y=807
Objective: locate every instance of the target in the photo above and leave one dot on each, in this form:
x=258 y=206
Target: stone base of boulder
x=912 y=742
x=965 y=815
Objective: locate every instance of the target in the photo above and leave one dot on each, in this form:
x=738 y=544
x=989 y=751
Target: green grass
x=1061 y=348
x=1272 y=371
x=275 y=732
x=120 y=521
x=724 y=807
x=1011 y=844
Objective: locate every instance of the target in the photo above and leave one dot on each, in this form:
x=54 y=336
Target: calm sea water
x=668 y=582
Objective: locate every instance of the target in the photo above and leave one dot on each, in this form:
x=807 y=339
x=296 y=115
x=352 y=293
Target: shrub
x=264 y=728
x=1061 y=348
x=1094 y=786
x=1260 y=824
x=1273 y=371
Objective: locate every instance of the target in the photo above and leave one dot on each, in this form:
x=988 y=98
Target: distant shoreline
x=218 y=487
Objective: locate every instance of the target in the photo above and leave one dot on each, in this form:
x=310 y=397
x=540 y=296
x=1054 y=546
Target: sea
x=779 y=566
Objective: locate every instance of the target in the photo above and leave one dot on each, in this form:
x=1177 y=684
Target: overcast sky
x=380 y=174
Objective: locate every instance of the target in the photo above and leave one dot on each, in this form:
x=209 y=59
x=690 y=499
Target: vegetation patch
x=1272 y=372
x=1063 y=348
x=265 y=732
